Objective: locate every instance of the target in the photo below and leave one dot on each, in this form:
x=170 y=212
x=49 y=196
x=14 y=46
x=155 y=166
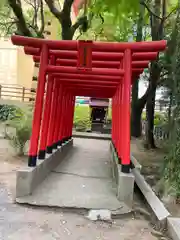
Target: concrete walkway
x=82 y=180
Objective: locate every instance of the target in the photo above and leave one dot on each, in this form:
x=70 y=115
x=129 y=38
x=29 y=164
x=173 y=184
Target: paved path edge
x=99 y=136
x=173 y=225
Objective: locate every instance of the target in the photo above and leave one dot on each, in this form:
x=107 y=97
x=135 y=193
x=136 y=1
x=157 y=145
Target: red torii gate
x=83 y=68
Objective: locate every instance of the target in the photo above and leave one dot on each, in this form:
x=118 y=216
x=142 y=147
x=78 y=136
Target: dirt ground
x=151 y=161
x=22 y=221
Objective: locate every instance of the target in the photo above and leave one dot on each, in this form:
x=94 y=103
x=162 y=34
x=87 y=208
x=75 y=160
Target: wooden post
x=23 y=93
x=0 y=91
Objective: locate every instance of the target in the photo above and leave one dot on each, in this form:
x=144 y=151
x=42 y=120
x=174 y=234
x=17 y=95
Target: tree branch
x=67 y=7
x=152 y=13
x=7 y=26
x=17 y=9
x=7 y=15
x=7 y=23
x=79 y=23
x=174 y=10
x=31 y=4
x=54 y=10
x=149 y=10
x=35 y=7
x=161 y=25
x=64 y=17
x=42 y=17
x=66 y=14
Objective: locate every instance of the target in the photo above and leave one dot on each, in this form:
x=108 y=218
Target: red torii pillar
x=54 y=104
x=56 y=114
x=60 y=138
x=121 y=115
x=69 y=116
x=124 y=107
x=38 y=108
x=72 y=115
x=126 y=111
x=47 y=111
x=65 y=117
x=58 y=118
x=113 y=123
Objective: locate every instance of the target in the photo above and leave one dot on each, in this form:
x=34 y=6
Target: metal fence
x=160 y=132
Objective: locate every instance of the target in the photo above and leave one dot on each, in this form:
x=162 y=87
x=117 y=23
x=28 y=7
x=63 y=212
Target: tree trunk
x=136 y=106
x=64 y=17
x=172 y=163
x=136 y=112
x=170 y=112
x=157 y=34
x=66 y=27
x=136 y=125
x=150 y=105
x=153 y=81
x=22 y=26
x=66 y=33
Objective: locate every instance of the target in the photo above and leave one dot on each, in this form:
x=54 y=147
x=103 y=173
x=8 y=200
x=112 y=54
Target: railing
x=160 y=132
x=16 y=92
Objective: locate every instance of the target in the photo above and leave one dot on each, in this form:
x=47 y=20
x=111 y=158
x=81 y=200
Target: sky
x=143 y=87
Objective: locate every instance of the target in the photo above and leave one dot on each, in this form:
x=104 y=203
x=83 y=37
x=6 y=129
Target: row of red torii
x=83 y=68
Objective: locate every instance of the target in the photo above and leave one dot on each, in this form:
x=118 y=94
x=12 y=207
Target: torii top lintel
x=153 y=46
x=103 y=60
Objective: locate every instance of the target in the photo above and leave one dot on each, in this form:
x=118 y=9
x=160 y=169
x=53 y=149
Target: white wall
x=8 y=62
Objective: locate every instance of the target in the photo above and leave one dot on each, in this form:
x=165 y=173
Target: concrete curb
x=158 y=208
x=124 y=181
x=154 y=202
x=174 y=228
x=100 y=136
x=27 y=179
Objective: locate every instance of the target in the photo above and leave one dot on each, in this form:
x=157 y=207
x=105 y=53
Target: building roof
x=98 y=103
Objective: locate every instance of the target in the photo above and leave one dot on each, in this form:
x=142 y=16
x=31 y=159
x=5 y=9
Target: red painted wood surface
x=84 y=68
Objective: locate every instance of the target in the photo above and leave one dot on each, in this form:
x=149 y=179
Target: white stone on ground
x=100 y=214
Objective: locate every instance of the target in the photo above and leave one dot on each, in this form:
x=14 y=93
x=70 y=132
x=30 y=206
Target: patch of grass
x=21 y=123
x=159 y=119
x=82 y=118
x=7 y=112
